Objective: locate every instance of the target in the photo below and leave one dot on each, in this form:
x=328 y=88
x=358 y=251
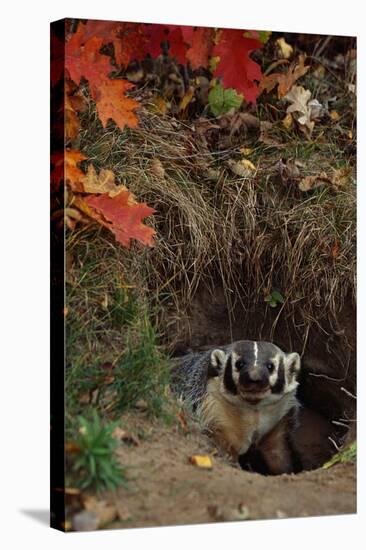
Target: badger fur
x=245 y=397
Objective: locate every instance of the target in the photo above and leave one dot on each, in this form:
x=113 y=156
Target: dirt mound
x=168 y=490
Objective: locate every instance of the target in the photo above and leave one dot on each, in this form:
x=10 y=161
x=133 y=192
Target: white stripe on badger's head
x=255 y=345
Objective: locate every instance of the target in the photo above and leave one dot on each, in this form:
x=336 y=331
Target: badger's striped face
x=258 y=371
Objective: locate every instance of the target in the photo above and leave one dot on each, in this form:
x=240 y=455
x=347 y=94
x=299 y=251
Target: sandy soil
x=166 y=489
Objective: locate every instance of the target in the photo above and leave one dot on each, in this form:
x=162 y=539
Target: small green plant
x=221 y=100
x=95 y=463
x=274 y=298
x=349 y=454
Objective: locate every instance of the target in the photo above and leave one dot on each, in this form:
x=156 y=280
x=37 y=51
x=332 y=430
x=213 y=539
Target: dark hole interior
x=327 y=388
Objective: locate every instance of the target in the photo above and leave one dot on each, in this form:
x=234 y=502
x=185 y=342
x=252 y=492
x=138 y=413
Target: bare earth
x=166 y=489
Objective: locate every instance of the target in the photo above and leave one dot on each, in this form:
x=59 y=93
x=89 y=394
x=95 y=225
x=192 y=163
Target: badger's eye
x=239 y=365
x=270 y=367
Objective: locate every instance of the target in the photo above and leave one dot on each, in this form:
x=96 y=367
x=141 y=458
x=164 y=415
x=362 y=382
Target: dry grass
x=247 y=235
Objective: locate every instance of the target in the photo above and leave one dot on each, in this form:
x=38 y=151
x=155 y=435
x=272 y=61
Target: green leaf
x=221 y=100
x=277 y=296
x=274 y=298
x=264 y=36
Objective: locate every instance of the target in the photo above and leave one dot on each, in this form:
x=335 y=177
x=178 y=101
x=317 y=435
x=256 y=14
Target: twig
x=348 y=393
x=334 y=443
x=327 y=377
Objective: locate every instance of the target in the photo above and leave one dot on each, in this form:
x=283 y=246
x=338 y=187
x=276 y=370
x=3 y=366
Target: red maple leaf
x=172 y=34
x=235 y=67
x=124 y=217
x=200 y=44
x=85 y=60
x=130 y=44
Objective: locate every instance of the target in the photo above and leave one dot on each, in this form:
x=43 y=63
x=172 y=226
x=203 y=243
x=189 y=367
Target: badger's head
x=257 y=372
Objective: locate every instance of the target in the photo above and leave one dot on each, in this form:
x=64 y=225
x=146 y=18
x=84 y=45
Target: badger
x=245 y=396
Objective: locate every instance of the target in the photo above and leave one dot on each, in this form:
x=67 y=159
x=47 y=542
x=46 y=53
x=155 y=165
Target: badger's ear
x=293 y=364
x=217 y=362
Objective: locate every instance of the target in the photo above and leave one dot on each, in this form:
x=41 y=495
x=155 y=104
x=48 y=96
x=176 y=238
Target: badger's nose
x=254 y=380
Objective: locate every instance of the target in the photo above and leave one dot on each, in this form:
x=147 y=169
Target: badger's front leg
x=275 y=450
x=274 y=453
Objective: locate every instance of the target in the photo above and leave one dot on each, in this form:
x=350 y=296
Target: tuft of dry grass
x=247 y=235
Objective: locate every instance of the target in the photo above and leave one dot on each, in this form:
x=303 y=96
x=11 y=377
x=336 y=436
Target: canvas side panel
x=57 y=474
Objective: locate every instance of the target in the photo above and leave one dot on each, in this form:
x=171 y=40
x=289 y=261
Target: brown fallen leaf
x=243 y=168
x=299 y=98
x=289 y=169
x=202 y=461
x=285 y=81
x=101 y=183
x=105 y=511
x=122 y=511
x=157 y=168
x=335 y=249
x=264 y=134
x=312 y=182
x=71 y=447
x=341 y=178
x=124 y=435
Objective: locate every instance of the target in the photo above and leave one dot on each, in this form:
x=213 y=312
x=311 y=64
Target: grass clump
x=349 y=454
x=95 y=466
x=142 y=376
x=113 y=356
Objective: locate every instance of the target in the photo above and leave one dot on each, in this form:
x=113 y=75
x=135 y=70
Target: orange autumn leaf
x=123 y=217
x=112 y=103
x=74 y=103
x=73 y=174
x=65 y=167
x=286 y=80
